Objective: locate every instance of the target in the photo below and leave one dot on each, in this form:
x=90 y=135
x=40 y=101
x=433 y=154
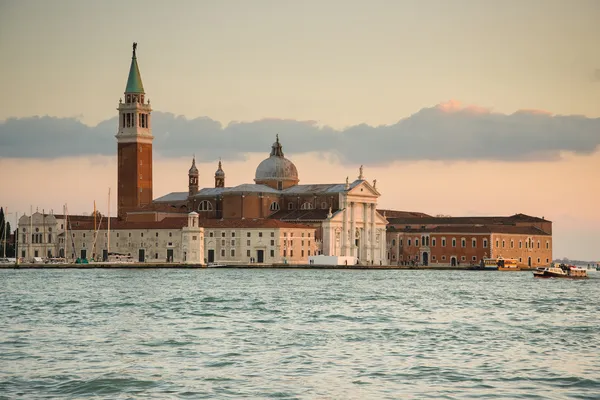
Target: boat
x=117 y=258
x=560 y=271
x=508 y=264
x=490 y=264
x=215 y=265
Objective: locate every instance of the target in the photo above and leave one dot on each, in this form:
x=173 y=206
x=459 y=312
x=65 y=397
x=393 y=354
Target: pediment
x=364 y=188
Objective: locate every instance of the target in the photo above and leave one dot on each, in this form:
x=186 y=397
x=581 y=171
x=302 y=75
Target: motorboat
x=560 y=271
x=215 y=265
x=508 y=264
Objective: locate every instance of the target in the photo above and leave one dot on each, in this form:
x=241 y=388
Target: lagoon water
x=297 y=334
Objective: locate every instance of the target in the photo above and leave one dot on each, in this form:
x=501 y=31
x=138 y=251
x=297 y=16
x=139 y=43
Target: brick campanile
x=134 y=138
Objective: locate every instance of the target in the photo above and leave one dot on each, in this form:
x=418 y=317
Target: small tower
x=219 y=177
x=134 y=141
x=193 y=178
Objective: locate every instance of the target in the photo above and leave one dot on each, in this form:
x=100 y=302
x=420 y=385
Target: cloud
x=448 y=131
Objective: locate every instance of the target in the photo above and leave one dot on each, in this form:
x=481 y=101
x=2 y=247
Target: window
x=474 y=243
x=393 y=242
x=259 y=234
x=290 y=206
x=443 y=257
x=141 y=234
x=232 y=234
x=291 y=253
x=497 y=245
x=408 y=242
x=463 y=258
x=129 y=235
x=463 y=242
x=210 y=234
x=485 y=243
x=274 y=206
x=205 y=205
x=520 y=259
x=170 y=234
x=156 y=234
x=433 y=242
x=222 y=252
x=547 y=244
x=306 y=206
x=539 y=260
x=247 y=253
x=194 y=237
x=272 y=253
x=272 y=243
x=443 y=242
x=222 y=234
x=433 y=258
x=473 y=258
x=503 y=243
x=232 y=252
x=324 y=205
x=538 y=246
x=512 y=244
x=453 y=242
x=416 y=242
x=233 y=242
x=247 y=242
x=520 y=244
x=222 y=242
x=302 y=244
x=302 y=253
x=117 y=235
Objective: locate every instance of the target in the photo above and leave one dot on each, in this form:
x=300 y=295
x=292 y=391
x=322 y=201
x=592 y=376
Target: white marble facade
x=357 y=229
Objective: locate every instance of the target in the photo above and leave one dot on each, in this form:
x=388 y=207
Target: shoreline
x=245 y=266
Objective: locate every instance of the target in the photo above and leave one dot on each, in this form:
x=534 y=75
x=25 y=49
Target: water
x=297 y=334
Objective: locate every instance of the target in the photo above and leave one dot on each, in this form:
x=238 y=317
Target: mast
x=30 y=231
x=17 y=238
x=108 y=229
x=4 y=230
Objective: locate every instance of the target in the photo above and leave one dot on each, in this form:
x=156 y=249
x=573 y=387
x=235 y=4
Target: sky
x=460 y=108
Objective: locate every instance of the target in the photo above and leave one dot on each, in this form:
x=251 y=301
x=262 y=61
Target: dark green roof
x=134 y=82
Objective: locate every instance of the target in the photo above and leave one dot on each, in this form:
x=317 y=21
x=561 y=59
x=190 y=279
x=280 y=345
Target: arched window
x=274 y=206
x=306 y=206
x=290 y=206
x=324 y=205
x=205 y=205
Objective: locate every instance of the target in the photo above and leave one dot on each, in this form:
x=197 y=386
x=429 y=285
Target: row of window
x=49 y=229
x=129 y=120
x=260 y=234
x=37 y=238
x=206 y=205
x=529 y=244
x=425 y=242
x=462 y=258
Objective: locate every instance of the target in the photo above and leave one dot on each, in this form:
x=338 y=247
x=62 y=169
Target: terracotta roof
x=250 y=223
x=301 y=215
x=402 y=214
x=464 y=220
x=178 y=223
x=476 y=229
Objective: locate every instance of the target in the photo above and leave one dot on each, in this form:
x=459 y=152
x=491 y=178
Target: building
x=427 y=240
x=343 y=215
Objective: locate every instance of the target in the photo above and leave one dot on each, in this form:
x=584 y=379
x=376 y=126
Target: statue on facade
x=360 y=175
x=347 y=183
x=374 y=183
x=134 y=48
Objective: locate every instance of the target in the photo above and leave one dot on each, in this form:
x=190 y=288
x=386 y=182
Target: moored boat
x=508 y=264
x=215 y=265
x=560 y=271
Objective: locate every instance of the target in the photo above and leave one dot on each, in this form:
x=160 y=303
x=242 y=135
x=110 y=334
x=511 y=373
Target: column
x=373 y=228
x=344 y=242
x=364 y=239
x=352 y=230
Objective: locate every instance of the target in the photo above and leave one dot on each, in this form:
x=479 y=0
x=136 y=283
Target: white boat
x=215 y=265
x=560 y=271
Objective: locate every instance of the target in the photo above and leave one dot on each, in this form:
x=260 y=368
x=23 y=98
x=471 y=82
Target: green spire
x=134 y=81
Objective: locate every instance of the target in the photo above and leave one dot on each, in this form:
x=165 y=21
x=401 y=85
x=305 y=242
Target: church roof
x=250 y=187
x=134 y=81
x=210 y=192
x=322 y=188
x=301 y=215
x=171 y=197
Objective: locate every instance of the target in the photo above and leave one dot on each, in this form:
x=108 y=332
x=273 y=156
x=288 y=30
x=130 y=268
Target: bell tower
x=193 y=178
x=219 y=177
x=134 y=141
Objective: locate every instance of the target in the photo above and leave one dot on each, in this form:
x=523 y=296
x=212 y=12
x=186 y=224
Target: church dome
x=276 y=168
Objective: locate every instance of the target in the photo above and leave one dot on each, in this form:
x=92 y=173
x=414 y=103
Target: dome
x=276 y=167
x=193 y=170
x=219 y=173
